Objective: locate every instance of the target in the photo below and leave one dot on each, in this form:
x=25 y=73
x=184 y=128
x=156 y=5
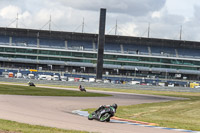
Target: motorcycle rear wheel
x=105 y=117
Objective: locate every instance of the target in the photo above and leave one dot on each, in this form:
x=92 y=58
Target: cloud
x=128 y=29
x=131 y=7
x=133 y=16
x=156 y=14
x=9 y=12
x=196 y=12
x=9 y=15
x=68 y=13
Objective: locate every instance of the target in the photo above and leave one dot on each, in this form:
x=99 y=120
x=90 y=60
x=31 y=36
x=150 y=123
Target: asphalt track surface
x=55 y=111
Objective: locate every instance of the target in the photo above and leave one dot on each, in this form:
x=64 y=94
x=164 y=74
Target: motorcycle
x=103 y=115
x=31 y=84
x=82 y=89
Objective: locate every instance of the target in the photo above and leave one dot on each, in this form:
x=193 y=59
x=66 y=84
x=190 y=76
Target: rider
x=80 y=87
x=106 y=106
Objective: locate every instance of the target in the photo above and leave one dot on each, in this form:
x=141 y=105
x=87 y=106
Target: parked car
x=63 y=78
x=70 y=78
x=55 y=77
x=170 y=85
x=134 y=82
x=92 y=79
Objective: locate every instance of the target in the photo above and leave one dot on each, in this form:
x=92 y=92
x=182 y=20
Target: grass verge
x=7 y=126
x=181 y=114
x=38 y=91
x=174 y=114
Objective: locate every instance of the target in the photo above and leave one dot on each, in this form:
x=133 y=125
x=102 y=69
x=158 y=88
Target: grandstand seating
x=188 y=52
x=135 y=49
x=111 y=47
x=163 y=51
x=24 y=41
x=79 y=45
x=52 y=43
x=4 y=39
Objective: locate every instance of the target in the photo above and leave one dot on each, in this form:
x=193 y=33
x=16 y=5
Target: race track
x=57 y=111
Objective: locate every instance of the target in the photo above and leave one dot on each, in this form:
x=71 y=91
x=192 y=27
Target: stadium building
x=77 y=52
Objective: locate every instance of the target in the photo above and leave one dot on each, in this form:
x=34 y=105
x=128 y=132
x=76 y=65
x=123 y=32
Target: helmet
x=114 y=105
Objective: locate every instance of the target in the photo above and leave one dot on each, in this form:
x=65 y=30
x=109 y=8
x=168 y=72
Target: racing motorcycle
x=103 y=115
x=82 y=89
x=31 y=84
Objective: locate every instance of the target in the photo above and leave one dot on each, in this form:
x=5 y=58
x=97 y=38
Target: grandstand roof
x=94 y=37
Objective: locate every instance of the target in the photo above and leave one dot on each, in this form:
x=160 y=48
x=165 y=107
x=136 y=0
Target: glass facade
x=91 y=57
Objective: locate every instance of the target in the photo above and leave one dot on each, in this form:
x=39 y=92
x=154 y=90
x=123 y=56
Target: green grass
x=37 y=91
x=174 y=114
x=15 y=127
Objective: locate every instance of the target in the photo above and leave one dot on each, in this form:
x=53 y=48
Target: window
x=44 y=52
x=9 y=50
x=52 y=52
x=21 y=50
x=2 y=49
x=31 y=57
x=42 y=58
x=89 y=55
x=20 y=56
x=53 y=58
x=31 y=51
x=77 y=54
x=110 y=57
x=65 y=53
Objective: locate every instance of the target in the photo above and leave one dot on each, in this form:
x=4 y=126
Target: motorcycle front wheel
x=105 y=117
x=90 y=117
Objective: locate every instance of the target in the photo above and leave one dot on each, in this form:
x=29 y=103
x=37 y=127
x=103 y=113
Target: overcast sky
x=133 y=16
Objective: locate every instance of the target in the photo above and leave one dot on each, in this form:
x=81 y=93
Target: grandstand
x=77 y=52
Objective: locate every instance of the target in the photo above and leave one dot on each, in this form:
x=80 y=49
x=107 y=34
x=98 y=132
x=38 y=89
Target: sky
x=133 y=17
